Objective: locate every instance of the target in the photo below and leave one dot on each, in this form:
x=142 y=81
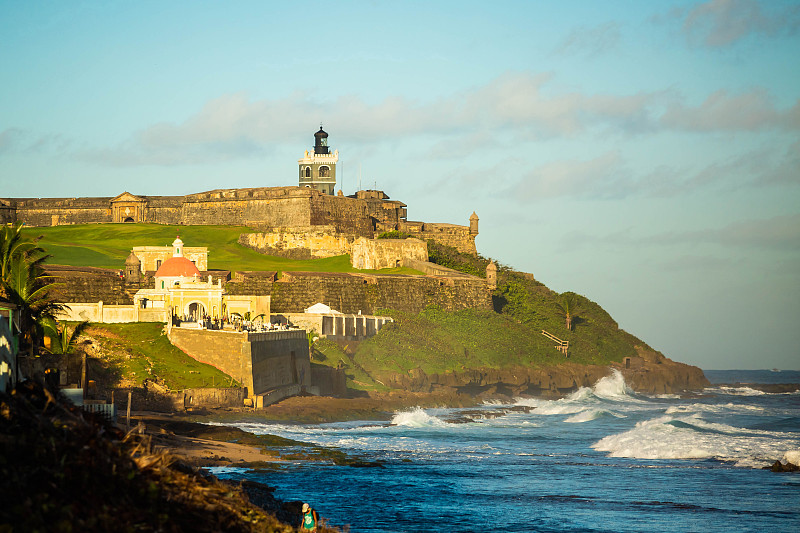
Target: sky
x=643 y=154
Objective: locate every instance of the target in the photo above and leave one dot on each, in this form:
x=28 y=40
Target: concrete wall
x=278 y=358
x=351 y=327
x=100 y=312
x=329 y=381
x=208 y=397
x=259 y=361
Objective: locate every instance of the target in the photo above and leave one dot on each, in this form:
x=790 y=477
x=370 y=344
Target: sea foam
x=692 y=437
x=417 y=418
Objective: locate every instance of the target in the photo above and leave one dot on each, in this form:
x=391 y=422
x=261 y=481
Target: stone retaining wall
x=259 y=361
x=355 y=293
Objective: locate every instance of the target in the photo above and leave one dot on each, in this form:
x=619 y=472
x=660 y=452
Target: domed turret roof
x=320 y=133
x=132 y=260
x=177 y=266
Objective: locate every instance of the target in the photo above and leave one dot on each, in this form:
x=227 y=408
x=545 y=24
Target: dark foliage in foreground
x=65 y=470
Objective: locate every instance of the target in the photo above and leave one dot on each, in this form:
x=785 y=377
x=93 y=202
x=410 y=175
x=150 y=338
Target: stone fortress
x=306 y=221
x=302 y=222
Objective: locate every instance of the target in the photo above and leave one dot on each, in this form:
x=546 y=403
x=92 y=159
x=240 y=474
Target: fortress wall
x=57 y=211
x=8 y=213
x=91 y=285
x=459 y=237
x=289 y=211
x=346 y=215
x=225 y=212
x=352 y=293
x=299 y=243
x=374 y=254
x=164 y=209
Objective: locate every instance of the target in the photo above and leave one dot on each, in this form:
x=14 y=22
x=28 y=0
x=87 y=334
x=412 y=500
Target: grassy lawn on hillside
x=438 y=341
x=134 y=352
x=108 y=245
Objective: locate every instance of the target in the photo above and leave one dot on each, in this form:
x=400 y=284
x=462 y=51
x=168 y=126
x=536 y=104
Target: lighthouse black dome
x=321 y=142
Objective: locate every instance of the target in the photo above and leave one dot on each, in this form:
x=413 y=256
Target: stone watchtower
x=132 y=269
x=473 y=224
x=318 y=170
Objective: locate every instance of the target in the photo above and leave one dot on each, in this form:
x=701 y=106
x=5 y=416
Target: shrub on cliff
x=450 y=257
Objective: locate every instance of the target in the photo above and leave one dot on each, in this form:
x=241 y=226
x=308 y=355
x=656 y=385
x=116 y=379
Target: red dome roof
x=177 y=266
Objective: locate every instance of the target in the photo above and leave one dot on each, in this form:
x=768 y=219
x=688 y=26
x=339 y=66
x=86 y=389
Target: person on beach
x=310 y=519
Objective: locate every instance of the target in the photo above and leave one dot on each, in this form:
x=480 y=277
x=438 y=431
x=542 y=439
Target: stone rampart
x=88 y=284
x=299 y=243
x=432 y=269
x=8 y=212
x=347 y=215
x=459 y=237
x=356 y=293
x=62 y=211
x=374 y=254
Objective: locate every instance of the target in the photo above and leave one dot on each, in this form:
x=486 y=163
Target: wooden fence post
x=128 y=417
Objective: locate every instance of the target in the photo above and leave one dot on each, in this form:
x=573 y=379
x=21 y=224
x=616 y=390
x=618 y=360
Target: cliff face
x=650 y=377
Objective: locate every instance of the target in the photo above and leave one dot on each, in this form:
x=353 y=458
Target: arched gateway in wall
x=128 y=208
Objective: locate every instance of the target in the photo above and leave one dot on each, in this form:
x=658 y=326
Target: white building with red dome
x=182 y=292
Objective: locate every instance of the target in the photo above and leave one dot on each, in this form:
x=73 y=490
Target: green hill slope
x=107 y=246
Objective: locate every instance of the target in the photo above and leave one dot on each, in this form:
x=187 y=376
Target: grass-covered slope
x=125 y=355
x=438 y=342
x=108 y=245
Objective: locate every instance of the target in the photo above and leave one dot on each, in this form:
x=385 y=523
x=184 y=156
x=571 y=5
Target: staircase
x=561 y=345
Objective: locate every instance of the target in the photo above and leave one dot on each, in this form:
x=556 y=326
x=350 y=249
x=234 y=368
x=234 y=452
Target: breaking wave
x=692 y=437
x=417 y=418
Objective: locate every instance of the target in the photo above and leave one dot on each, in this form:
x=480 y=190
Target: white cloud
x=780 y=233
x=753 y=110
x=512 y=106
x=597 y=177
x=720 y=23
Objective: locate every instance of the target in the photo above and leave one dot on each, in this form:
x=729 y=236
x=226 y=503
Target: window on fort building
x=324 y=172
x=308 y=172
x=158 y=264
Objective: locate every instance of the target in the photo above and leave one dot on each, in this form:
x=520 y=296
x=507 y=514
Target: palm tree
x=569 y=306
x=24 y=283
x=13 y=245
x=62 y=340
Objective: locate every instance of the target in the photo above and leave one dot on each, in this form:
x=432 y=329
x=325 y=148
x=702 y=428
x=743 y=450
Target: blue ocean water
x=603 y=460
